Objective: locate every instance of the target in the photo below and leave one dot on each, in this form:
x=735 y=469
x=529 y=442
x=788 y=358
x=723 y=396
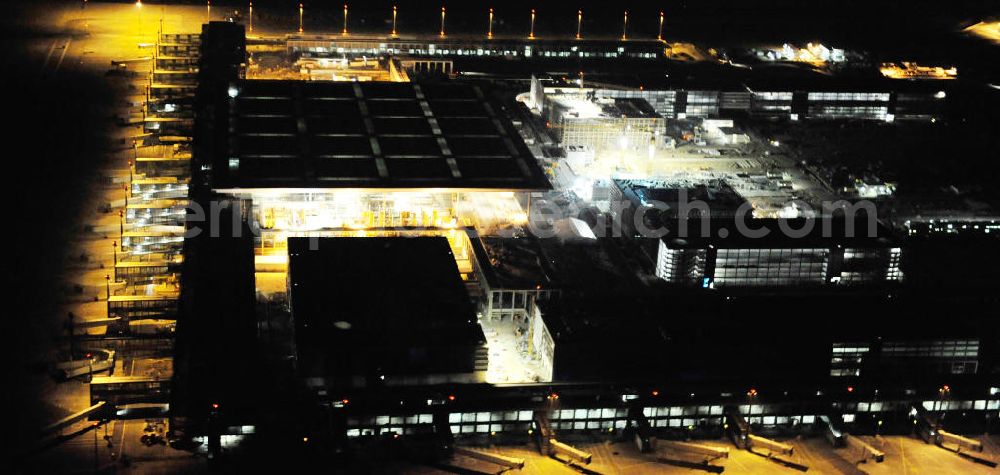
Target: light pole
x=625 y=27
x=442 y=22
x=943 y=393
x=251 y=18
x=489 y=32
x=121 y=228
x=579 y=22
x=301 y=11
x=531 y=32
x=659 y=35
x=135 y=156
x=138 y=14
x=751 y=396
x=114 y=247
x=107 y=285
x=394 y=22
x=345 y=20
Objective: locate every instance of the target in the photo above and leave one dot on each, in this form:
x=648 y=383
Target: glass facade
x=608 y=131
x=680 y=263
x=940 y=356
x=332 y=45
x=702 y=104
x=824 y=111
x=847 y=359
x=770 y=267
x=786 y=104
x=616 y=418
x=661 y=101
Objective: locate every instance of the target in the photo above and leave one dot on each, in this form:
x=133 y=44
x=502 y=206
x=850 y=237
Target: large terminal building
x=374 y=244
x=369 y=159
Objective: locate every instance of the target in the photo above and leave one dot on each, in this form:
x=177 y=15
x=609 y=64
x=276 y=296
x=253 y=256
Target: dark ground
x=54 y=136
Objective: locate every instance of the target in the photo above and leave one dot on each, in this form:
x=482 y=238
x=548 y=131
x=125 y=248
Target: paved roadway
x=68 y=50
x=904 y=455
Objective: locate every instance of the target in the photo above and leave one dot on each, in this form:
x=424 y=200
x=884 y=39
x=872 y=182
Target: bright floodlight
x=233 y=92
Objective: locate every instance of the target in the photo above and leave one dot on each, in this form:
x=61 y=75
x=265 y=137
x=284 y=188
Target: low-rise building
x=582 y=118
x=719 y=253
x=382 y=311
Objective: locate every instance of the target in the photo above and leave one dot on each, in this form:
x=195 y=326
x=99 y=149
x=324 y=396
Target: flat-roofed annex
x=302 y=134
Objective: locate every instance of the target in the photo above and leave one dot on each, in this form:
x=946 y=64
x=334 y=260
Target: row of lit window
x=675 y=411
x=757 y=418
x=394 y=420
x=853 y=277
x=842 y=348
x=750 y=282
x=979 y=405
x=701 y=111
x=648 y=95
x=769 y=255
x=902 y=352
x=770 y=272
x=773 y=96
x=844 y=372
x=479 y=52
x=772 y=107
x=457 y=417
x=849 y=96
x=858 y=112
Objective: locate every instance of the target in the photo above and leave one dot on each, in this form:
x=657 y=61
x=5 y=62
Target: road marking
x=121 y=450
x=62 y=56
x=902 y=455
x=46 y=62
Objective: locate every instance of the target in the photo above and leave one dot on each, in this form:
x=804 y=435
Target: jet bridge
x=548 y=445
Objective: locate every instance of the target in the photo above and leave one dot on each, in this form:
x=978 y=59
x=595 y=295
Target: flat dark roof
x=301 y=134
x=510 y=264
x=607 y=338
x=717 y=194
x=527 y=263
x=379 y=305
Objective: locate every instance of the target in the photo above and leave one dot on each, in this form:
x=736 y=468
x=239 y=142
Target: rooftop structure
x=597 y=338
x=509 y=273
x=582 y=118
x=906 y=70
x=716 y=253
x=373 y=311
x=331 y=159
x=476 y=46
x=814 y=54
x=771 y=93
x=293 y=134
x=656 y=202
